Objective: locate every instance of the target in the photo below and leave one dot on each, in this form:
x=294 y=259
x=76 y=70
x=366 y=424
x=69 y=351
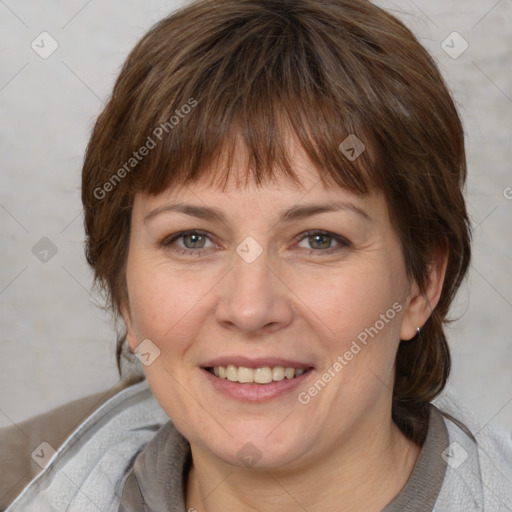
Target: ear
x=131 y=337
x=421 y=304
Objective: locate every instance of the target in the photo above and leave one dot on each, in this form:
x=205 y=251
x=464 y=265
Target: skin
x=341 y=451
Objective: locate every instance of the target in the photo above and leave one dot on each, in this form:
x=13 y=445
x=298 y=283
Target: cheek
x=353 y=300
x=360 y=315
x=160 y=301
x=170 y=307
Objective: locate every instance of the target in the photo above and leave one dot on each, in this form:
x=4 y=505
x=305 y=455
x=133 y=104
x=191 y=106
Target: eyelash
x=343 y=243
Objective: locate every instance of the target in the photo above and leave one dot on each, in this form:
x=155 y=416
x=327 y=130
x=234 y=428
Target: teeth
x=264 y=375
x=231 y=373
x=278 y=373
x=245 y=374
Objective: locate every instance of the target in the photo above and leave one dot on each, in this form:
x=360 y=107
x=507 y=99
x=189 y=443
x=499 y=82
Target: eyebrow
x=294 y=213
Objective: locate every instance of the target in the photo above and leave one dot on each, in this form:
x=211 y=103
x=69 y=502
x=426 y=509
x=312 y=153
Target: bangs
x=203 y=147
x=259 y=84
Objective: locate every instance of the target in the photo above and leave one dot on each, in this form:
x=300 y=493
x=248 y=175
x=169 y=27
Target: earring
x=418 y=330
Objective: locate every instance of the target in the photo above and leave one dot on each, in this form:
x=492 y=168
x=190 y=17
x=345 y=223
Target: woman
x=274 y=207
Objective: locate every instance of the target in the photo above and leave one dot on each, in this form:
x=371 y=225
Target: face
x=265 y=284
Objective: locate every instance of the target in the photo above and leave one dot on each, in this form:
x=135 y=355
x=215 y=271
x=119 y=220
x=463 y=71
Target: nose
x=254 y=298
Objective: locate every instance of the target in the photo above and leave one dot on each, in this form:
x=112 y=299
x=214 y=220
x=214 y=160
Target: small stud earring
x=418 y=330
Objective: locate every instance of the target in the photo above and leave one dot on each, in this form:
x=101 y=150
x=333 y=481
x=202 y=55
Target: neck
x=364 y=472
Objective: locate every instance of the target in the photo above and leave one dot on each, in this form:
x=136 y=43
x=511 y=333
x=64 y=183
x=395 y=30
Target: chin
x=257 y=446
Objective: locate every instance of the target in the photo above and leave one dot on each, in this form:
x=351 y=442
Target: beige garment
x=18 y=442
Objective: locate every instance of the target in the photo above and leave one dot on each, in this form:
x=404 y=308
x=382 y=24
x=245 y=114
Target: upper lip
x=259 y=362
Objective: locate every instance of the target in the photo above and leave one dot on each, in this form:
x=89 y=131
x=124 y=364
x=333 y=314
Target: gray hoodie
x=128 y=457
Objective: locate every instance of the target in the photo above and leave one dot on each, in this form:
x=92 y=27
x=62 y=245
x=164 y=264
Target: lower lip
x=255 y=393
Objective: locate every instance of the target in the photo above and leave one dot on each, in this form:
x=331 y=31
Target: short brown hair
x=326 y=69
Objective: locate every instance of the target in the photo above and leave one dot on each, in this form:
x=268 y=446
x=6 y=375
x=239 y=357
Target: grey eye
x=319 y=238
x=196 y=240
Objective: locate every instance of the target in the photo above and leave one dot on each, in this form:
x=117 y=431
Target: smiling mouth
x=263 y=375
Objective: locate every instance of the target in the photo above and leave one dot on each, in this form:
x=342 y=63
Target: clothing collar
x=421 y=491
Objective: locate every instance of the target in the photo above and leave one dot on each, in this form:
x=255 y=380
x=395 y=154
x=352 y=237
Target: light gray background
x=57 y=344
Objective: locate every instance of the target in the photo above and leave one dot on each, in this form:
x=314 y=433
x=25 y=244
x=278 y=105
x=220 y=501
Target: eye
x=194 y=242
x=321 y=241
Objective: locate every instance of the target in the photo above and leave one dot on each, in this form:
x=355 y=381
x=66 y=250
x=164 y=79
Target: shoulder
x=479 y=461
x=77 y=436
x=18 y=442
